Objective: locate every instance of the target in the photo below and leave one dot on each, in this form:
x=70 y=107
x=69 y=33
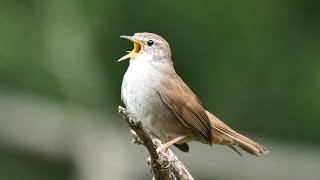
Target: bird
x=153 y=92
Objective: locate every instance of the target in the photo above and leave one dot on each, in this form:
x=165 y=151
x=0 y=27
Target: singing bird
x=153 y=91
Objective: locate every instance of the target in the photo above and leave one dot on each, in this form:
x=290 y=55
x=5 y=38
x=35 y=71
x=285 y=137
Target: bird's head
x=148 y=47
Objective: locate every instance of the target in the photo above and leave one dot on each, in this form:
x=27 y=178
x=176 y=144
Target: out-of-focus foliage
x=255 y=64
x=16 y=166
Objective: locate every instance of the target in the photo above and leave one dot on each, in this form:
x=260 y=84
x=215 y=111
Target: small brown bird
x=154 y=93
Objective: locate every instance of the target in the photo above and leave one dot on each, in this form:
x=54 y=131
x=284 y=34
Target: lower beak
x=136 y=48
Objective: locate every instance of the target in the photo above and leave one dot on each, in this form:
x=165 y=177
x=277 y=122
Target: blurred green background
x=254 y=64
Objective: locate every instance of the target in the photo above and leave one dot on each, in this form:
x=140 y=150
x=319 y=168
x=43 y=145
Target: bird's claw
x=161 y=151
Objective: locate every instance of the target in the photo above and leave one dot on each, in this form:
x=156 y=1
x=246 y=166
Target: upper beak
x=136 y=48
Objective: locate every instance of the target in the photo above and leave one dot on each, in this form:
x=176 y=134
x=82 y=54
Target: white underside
x=140 y=94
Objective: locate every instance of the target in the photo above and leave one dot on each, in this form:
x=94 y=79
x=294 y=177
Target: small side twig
x=158 y=162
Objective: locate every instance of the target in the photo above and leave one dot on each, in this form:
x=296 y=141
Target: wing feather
x=185 y=105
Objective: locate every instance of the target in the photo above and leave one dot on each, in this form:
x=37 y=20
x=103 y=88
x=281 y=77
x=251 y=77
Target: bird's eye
x=150 y=43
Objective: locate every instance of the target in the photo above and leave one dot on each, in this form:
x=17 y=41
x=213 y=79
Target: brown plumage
x=187 y=107
x=224 y=135
x=153 y=92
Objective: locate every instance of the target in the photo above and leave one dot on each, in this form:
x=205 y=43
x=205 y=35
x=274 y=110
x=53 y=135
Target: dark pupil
x=150 y=43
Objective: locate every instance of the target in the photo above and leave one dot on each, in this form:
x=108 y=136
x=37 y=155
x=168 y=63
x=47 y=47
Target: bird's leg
x=164 y=147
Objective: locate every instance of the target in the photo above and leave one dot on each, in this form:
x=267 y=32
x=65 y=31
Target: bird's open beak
x=136 y=48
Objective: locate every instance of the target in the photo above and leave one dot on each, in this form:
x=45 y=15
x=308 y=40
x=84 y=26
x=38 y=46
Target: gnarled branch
x=162 y=167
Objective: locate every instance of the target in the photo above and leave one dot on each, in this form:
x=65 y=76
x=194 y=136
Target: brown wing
x=185 y=105
x=224 y=135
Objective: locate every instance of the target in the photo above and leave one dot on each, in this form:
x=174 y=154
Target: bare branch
x=162 y=167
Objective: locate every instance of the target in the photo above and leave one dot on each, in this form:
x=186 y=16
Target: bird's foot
x=164 y=156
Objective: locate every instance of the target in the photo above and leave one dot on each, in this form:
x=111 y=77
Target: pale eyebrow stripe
x=157 y=41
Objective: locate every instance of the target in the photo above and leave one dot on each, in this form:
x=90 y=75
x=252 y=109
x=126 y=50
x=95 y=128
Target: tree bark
x=162 y=167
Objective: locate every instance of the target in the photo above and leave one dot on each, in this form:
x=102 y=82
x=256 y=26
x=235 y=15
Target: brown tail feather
x=223 y=134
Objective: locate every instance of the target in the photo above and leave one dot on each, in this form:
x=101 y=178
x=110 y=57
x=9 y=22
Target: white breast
x=140 y=93
x=138 y=86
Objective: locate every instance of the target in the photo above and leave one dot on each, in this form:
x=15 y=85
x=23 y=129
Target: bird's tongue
x=136 y=49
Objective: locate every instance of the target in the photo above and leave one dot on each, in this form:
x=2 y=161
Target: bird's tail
x=223 y=134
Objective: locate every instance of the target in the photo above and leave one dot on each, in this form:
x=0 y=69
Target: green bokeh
x=255 y=64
